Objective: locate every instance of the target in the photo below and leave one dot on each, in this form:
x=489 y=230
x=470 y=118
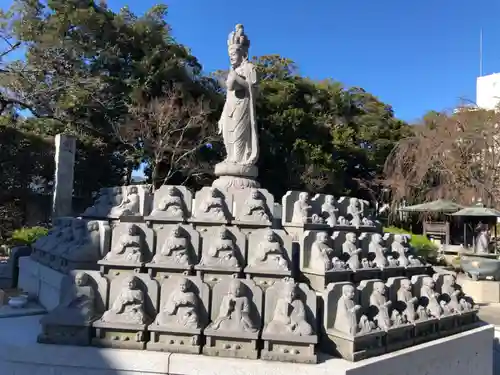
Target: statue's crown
x=238 y=38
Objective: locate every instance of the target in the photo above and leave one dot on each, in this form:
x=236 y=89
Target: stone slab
x=482 y=291
x=30 y=309
x=41 y=281
x=20 y=354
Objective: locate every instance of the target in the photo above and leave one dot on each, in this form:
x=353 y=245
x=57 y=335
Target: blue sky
x=415 y=55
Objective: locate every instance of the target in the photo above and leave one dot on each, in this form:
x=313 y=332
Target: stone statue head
x=428 y=282
x=184 y=284
x=270 y=236
x=398 y=238
x=133 y=190
x=289 y=291
x=322 y=237
x=379 y=287
x=350 y=237
x=329 y=199
x=173 y=191
x=255 y=194
x=449 y=279
x=348 y=291
x=81 y=279
x=177 y=231
x=238 y=45
x=130 y=282
x=376 y=238
x=235 y=288
x=132 y=230
x=406 y=284
x=303 y=196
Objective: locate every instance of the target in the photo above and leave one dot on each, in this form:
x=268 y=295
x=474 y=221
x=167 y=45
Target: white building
x=488 y=91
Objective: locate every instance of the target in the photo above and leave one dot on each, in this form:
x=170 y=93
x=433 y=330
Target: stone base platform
x=466 y=353
x=41 y=281
x=481 y=291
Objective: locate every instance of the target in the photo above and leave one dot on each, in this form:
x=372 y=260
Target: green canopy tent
x=440 y=205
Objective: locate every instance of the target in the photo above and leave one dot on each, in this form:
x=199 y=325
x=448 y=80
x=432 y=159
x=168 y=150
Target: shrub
x=422 y=245
x=26 y=236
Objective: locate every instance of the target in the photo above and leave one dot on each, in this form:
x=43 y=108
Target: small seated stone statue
x=130 y=204
x=378 y=299
x=222 y=251
x=342 y=221
x=175 y=249
x=270 y=252
x=367 y=222
x=86 y=240
x=128 y=247
x=456 y=301
x=80 y=306
x=214 y=205
x=181 y=308
x=172 y=205
x=322 y=255
x=329 y=211
x=289 y=314
x=355 y=211
x=350 y=249
x=401 y=247
x=301 y=209
x=404 y=294
x=434 y=308
x=255 y=207
x=234 y=313
x=375 y=247
x=128 y=307
x=346 y=317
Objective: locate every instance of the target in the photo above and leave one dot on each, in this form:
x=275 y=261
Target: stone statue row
x=248 y=206
x=358 y=322
x=124 y=313
x=378 y=317
x=346 y=257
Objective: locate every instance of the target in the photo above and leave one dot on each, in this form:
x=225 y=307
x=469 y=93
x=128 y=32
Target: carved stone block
x=42 y=248
x=82 y=303
x=289 y=323
x=399 y=333
x=72 y=236
x=451 y=293
x=130 y=309
x=269 y=256
x=223 y=253
x=131 y=247
x=104 y=202
x=212 y=206
x=136 y=203
x=403 y=299
x=253 y=208
x=353 y=256
x=94 y=243
x=348 y=332
x=171 y=204
x=297 y=214
x=177 y=250
x=424 y=289
x=375 y=249
x=320 y=262
x=236 y=312
x=182 y=315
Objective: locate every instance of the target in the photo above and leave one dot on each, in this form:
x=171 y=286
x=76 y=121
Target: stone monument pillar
x=237 y=123
x=62 y=202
